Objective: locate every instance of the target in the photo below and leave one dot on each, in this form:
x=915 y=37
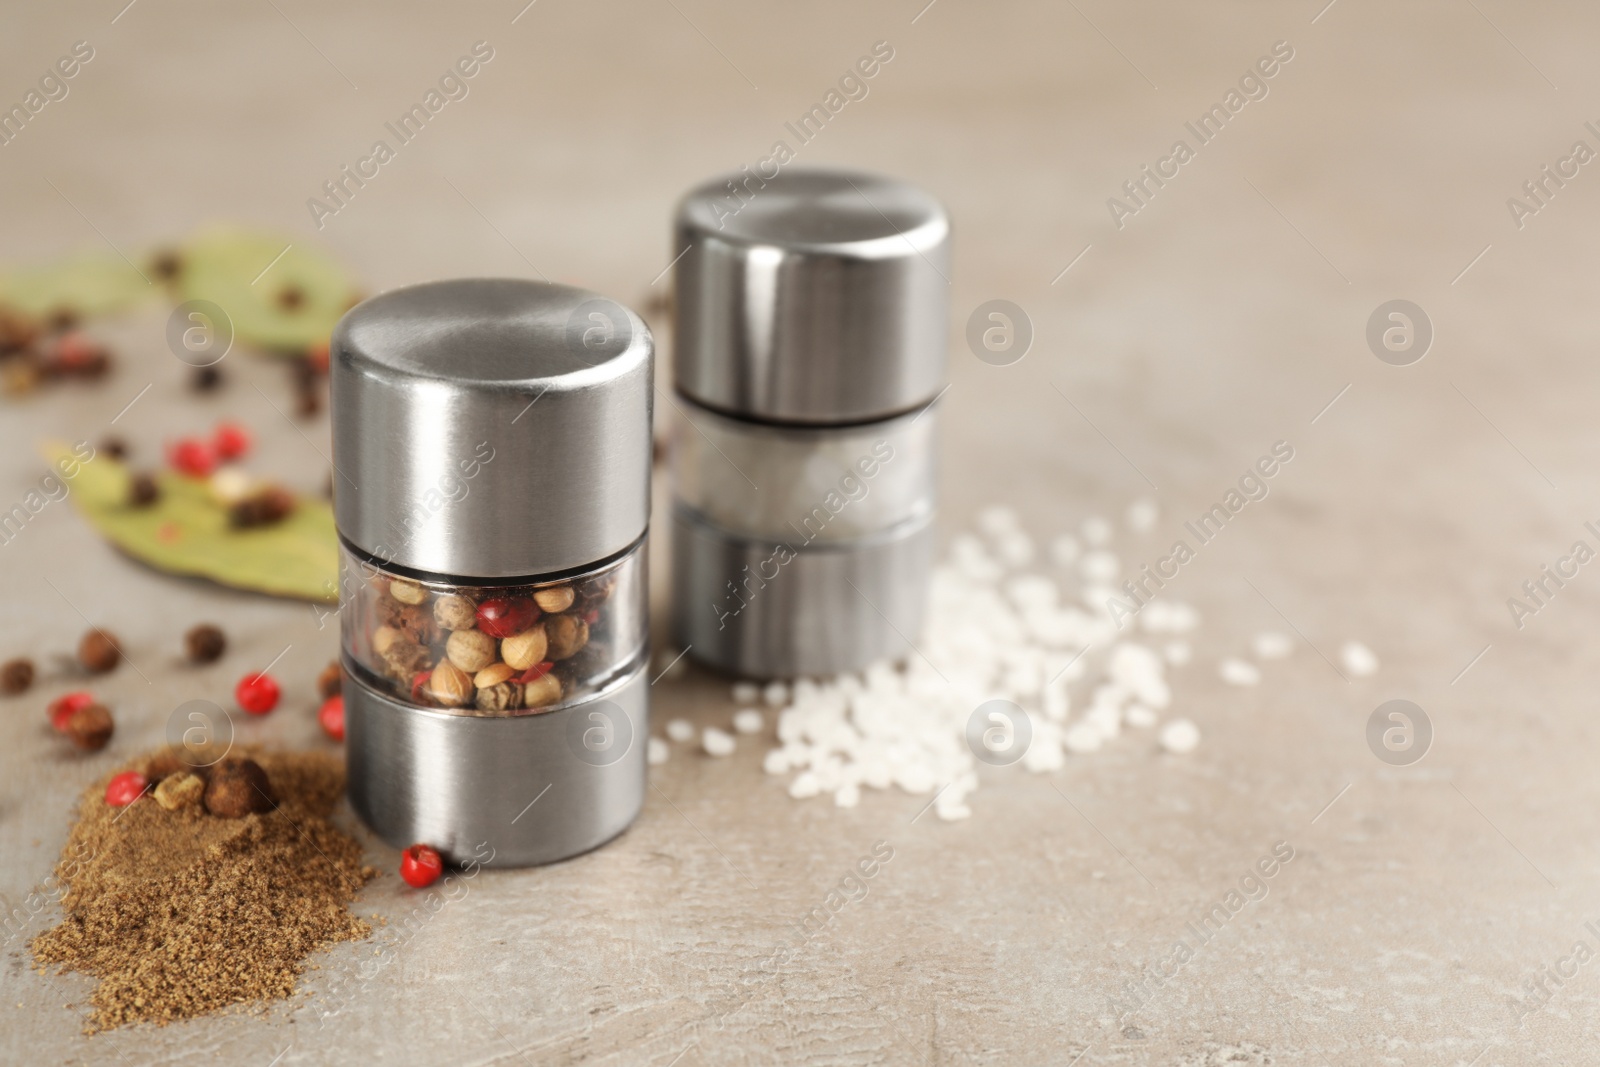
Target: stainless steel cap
x=816 y=296
x=491 y=428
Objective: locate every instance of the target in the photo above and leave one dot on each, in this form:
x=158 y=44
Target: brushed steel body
x=817 y=296
x=827 y=608
x=551 y=383
x=513 y=789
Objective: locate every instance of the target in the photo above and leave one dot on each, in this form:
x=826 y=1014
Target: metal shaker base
x=503 y=792
x=830 y=608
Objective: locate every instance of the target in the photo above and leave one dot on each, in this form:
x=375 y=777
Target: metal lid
x=491 y=428
x=816 y=296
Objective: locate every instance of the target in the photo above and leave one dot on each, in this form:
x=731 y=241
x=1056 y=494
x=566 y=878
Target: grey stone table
x=1176 y=337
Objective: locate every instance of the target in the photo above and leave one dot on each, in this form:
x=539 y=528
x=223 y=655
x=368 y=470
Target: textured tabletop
x=1189 y=309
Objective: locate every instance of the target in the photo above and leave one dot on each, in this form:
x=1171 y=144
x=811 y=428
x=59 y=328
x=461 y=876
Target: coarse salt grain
x=1179 y=736
x=1137 y=715
x=680 y=730
x=1064 y=550
x=1100 y=567
x=776 y=694
x=1358 y=659
x=657 y=752
x=717 y=742
x=1238 y=672
x=1015 y=549
x=1096 y=530
x=746 y=692
x=748 y=721
x=1142 y=515
x=997 y=520
x=1271 y=644
x=1178 y=653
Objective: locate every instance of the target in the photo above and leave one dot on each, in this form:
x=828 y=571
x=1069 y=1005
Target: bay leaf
x=280 y=294
x=86 y=285
x=186 y=532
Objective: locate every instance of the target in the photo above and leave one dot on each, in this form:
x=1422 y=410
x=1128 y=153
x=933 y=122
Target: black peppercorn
x=205 y=644
x=16 y=676
x=99 y=651
x=143 y=490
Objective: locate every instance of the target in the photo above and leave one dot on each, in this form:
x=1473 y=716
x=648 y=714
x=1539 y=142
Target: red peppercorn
x=125 y=788
x=504 y=616
x=331 y=716
x=534 y=673
x=231 y=440
x=421 y=866
x=418 y=680
x=193 y=457
x=257 y=693
x=62 y=707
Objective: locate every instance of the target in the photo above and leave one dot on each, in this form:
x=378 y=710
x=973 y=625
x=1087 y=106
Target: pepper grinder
x=809 y=355
x=492 y=451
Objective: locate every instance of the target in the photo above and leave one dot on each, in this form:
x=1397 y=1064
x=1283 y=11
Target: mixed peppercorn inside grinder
x=492 y=493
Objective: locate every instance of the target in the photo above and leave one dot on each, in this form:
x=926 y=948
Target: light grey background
x=1224 y=316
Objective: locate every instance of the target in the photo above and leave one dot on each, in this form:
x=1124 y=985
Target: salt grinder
x=491 y=446
x=809 y=355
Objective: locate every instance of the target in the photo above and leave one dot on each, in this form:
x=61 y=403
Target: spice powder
x=180 y=913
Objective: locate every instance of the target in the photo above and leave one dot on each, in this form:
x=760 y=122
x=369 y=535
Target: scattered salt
x=1179 y=736
x=1358 y=659
x=1015 y=549
x=746 y=692
x=1239 y=672
x=1142 y=515
x=1064 y=550
x=656 y=752
x=997 y=520
x=748 y=721
x=994 y=629
x=1100 y=567
x=1271 y=644
x=1137 y=715
x=680 y=730
x=717 y=742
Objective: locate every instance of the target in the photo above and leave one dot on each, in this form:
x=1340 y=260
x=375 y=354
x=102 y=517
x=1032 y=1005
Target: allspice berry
x=331 y=680
x=205 y=644
x=181 y=790
x=90 y=727
x=99 y=651
x=454 y=612
x=238 y=787
x=16 y=676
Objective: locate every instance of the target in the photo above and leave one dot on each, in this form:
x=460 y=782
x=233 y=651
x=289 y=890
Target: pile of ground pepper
x=181 y=912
